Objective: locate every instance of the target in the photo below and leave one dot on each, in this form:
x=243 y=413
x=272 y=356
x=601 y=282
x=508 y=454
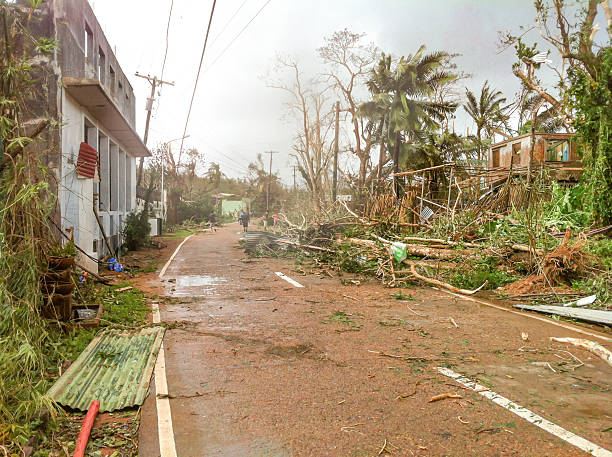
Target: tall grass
x=24 y=335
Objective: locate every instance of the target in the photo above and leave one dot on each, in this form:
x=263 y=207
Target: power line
x=236 y=37
x=225 y=155
x=227 y=23
x=166 y=51
x=167 y=35
x=195 y=85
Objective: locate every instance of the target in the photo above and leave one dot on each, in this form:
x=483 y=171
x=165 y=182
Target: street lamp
x=163 y=199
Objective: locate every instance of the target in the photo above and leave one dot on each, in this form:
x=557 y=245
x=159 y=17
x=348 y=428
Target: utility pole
x=336 y=147
x=268 y=192
x=294 y=186
x=154 y=83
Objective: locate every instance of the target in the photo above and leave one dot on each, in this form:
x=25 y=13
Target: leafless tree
x=349 y=62
x=313 y=143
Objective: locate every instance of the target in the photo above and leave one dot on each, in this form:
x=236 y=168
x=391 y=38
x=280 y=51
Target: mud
x=266 y=369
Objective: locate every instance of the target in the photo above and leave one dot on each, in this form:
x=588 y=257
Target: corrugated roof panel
x=87 y=161
x=114 y=369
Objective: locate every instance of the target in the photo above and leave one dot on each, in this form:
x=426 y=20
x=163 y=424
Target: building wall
x=84 y=52
x=76 y=195
x=81 y=57
x=523 y=144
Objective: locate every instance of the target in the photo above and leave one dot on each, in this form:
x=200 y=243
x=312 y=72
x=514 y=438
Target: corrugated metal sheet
x=87 y=161
x=597 y=316
x=254 y=239
x=114 y=369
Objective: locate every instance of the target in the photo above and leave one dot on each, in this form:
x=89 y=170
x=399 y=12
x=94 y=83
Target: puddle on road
x=198 y=281
x=185 y=285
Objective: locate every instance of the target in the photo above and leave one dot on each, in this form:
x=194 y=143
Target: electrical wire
x=232 y=160
x=227 y=23
x=195 y=85
x=167 y=35
x=236 y=37
x=165 y=56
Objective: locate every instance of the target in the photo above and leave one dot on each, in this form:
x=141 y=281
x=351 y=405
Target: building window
x=119 y=88
x=111 y=82
x=558 y=151
x=101 y=66
x=89 y=44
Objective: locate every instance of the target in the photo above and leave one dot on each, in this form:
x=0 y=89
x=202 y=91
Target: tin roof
x=114 y=369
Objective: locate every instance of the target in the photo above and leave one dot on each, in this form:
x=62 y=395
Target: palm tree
x=487 y=112
x=547 y=120
x=402 y=97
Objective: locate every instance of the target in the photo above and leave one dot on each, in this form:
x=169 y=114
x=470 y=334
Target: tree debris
x=443 y=397
x=589 y=345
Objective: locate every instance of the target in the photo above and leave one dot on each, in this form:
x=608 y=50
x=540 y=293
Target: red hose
x=86 y=428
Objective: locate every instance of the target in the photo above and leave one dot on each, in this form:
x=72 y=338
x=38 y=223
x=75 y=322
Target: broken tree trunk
x=444 y=285
x=419 y=250
x=305 y=246
x=589 y=345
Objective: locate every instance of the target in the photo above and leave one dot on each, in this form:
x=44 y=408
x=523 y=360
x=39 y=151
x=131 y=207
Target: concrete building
x=87 y=91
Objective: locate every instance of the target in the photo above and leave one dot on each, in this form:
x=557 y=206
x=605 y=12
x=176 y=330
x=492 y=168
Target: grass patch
x=402 y=296
x=475 y=275
x=180 y=233
x=343 y=318
x=121 y=310
x=150 y=267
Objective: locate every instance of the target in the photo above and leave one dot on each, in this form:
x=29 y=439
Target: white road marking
x=524 y=314
x=575 y=440
x=288 y=279
x=165 y=432
x=163 y=271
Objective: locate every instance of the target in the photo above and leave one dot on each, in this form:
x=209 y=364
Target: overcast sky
x=235 y=115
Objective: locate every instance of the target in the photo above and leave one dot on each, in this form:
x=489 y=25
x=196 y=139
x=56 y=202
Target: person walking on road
x=212 y=220
x=244 y=220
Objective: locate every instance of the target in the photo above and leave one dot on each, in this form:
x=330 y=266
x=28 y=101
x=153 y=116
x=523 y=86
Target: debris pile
x=461 y=239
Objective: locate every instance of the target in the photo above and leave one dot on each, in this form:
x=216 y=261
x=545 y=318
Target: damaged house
x=556 y=151
x=96 y=143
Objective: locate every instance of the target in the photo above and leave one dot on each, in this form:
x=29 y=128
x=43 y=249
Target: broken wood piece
x=306 y=246
x=523 y=248
x=95 y=275
x=462 y=421
x=444 y=285
x=589 y=345
x=453 y=322
x=443 y=397
x=123 y=289
x=386 y=355
x=414 y=312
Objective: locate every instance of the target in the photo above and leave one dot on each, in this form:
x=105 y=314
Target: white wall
x=76 y=193
x=117 y=186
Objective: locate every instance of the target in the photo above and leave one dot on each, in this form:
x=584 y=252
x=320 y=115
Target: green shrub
x=136 y=231
x=565 y=208
x=475 y=275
